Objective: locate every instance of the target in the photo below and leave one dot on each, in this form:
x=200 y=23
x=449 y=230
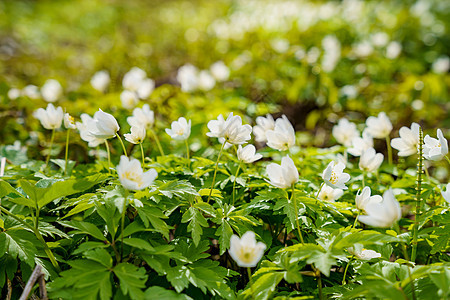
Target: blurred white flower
x=360 y=144
x=282 y=137
x=31 y=91
x=382 y=214
x=393 y=50
x=205 y=81
x=129 y=99
x=332 y=52
x=441 y=65
x=132 y=79
x=137 y=135
x=188 y=78
x=379 y=127
x=105 y=126
x=284 y=175
x=349 y=91
x=50 y=118
x=131 y=175
x=69 y=121
x=100 y=81
x=363 y=49
x=51 y=90
x=435 y=149
x=142 y=117
x=408 y=141
x=248 y=154
x=180 y=130
x=344 y=132
x=220 y=71
x=280 y=45
x=446 y=194
x=334 y=177
x=263 y=124
x=364 y=254
x=145 y=88
x=83 y=127
x=13 y=94
x=230 y=129
x=364 y=198
x=327 y=193
x=380 y=39
x=370 y=161
x=246 y=252
x=2 y=166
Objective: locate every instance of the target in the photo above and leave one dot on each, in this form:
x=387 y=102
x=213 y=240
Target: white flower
x=408 y=141
x=382 y=214
x=131 y=175
x=230 y=129
x=100 y=81
x=248 y=154
x=51 y=90
x=205 y=81
x=142 y=117
x=31 y=91
x=83 y=126
x=332 y=52
x=284 y=175
x=145 y=88
x=50 y=118
x=187 y=77
x=435 y=149
x=217 y=127
x=364 y=254
x=132 y=79
x=380 y=39
x=129 y=99
x=220 y=71
x=105 y=125
x=379 y=127
x=359 y=145
x=263 y=125
x=446 y=193
x=283 y=136
x=69 y=122
x=441 y=65
x=364 y=198
x=327 y=193
x=137 y=135
x=333 y=175
x=393 y=50
x=245 y=251
x=180 y=130
x=344 y=132
x=13 y=94
x=370 y=160
x=363 y=49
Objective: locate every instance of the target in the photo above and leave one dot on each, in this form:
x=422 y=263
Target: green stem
x=123 y=146
x=448 y=159
x=345 y=271
x=187 y=150
x=109 y=156
x=356 y=221
x=389 y=149
x=122 y=224
x=155 y=137
x=320 y=188
x=67 y=151
x=50 y=148
x=234 y=182
x=249 y=271
x=143 y=157
x=215 y=171
x=418 y=197
x=319 y=285
x=296 y=213
x=363 y=177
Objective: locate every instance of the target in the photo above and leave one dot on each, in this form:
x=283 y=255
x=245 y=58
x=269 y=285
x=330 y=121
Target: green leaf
x=224 y=232
x=20 y=243
x=264 y=286
x=157 y=292
x=85 y=227
x=132 y=280
x=154 y=216
x=196 y=222
x=138 y=243
x=100 y=255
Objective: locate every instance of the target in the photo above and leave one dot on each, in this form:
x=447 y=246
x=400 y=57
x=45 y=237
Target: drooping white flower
x=129 y=99
x=31 y=91
x=364 y=254
x=361 y=144
x=132 y=79
x=51 y=90
x=83 y=127
x=246 y=252
x=100 y=81
x=105 y=125
x=282 y=137
x=248 y=154
x=370 y=160
x=50 y=118
x=327 y=193
x=382 y=214
x=205 y=81
x=408 y=141
x=446 y=194
x=13 y=94
x=263 y=124
x=435 y=149
x=187 y=76
x=379 y=127
x=142 y=117
x=180 y=130
x=284 y=175
x=364 y=198
x=69 y=121
x=344 y=132
x=334 y=177
x=220 y=71
x=131 y=175
x=137 y=135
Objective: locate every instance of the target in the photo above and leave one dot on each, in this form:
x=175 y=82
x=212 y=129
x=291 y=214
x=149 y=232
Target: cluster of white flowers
x=192 y=79
x=51 y=91
x=136 y=86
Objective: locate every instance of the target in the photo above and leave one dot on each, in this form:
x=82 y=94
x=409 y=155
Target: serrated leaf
x=85 y=227
x=196 y=222
x=224 y=232
x=132 y=280
x=138 y=243
x=160 y=293
x=264 y=286
x=20 y=243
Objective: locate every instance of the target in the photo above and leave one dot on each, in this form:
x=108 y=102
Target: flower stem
x=155 y=137
x=109 y=156
x=296 y=213
x=345 y=271
x=215 y=171
x=122 y=224
x=389 y=149
x=320 y=188
x=123 y=146
x=363 y=177
x=418 y=197
x=67 y=151
x=187 y=149
x=50 y=148
x=448 y=159
x=143 y=157
x=249 y=271
x=356 y=221
x=319 y=284
x=234 y=182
